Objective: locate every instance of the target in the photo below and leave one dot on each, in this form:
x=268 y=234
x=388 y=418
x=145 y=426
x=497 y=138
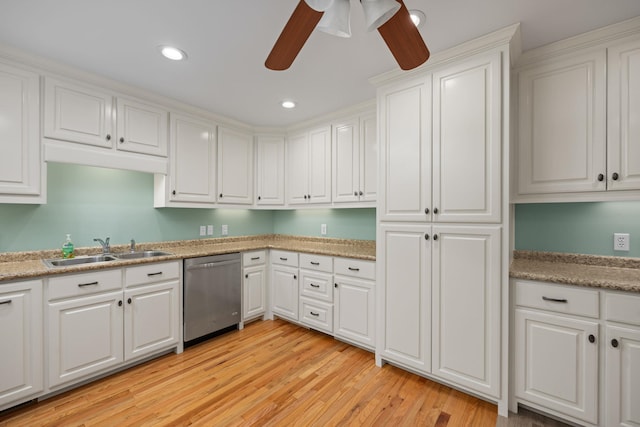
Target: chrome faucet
x=132 y=247
x=105 y=245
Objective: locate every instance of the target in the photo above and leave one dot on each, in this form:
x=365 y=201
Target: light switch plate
x=209 y=230
x=203 y=230
x=621 y=241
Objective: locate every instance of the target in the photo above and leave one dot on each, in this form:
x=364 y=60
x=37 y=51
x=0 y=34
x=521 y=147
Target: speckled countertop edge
x=25 y=265
x=607 y=272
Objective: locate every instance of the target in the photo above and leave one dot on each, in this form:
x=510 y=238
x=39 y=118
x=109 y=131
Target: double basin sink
x=90 y=259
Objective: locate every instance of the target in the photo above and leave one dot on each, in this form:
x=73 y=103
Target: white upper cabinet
x=354 y=154
x=269 y=170
x=562 y=116
x=192 y=163
x=20 y=160
x=405 y=156
x=467 y=141
x=309 y=167
x=235 y=167
x=141 y=127
x=623 y=149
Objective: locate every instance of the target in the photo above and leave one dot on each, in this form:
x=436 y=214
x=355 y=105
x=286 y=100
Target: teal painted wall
x=341 y=223
x=94 y=202
x=585 y=228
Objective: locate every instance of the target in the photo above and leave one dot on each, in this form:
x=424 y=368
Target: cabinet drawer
x=284 y=258
x=317 y=285
x=151 y=273
x=558 y=298
x=316 y=262
x=623 y=308
x=253 y=258
x=316 y=314
x=354 y=268
x=84 y=284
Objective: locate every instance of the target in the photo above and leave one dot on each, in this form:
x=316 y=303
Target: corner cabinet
x=308 y=167
x=270 y=170
x=21 y=370
x=235 y=167
x=22 y=171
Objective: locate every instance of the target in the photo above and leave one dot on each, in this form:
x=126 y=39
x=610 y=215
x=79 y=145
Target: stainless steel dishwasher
x=211 y=294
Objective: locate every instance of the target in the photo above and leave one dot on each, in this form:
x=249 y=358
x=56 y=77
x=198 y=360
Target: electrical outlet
x=209 y=230
x=203 y=230
x=323 y=229
x=224 y=230
x=621 y=241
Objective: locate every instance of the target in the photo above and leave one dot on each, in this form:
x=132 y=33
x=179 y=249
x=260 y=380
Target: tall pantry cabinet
x=442 y=233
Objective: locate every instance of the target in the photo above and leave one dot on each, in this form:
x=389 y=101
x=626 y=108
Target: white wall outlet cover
x=224 y=230
x=621 y=241
x=323 y=229
x=203 y=230
x=209 y=230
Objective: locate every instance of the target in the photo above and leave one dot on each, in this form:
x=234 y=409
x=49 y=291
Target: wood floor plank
x=271 y=373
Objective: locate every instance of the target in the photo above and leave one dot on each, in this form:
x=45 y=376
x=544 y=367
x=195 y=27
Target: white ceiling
x=228 y=40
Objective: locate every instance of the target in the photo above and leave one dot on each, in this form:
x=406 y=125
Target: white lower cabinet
x=284 y=284
x=95 y=324
x=254 y=285
x=21 y=370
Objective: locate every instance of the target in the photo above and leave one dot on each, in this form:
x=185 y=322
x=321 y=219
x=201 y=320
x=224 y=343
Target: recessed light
x=417 y=16
x=173 y=53
x=288 y=104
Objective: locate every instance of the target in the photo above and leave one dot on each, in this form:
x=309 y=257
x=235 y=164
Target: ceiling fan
x=390 y=17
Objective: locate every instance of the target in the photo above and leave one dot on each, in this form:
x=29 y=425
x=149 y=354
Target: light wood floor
x=272 y=373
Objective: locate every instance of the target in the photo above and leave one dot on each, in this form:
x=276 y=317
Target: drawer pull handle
x=5 y=302
x=354 y=269
x=82 y=285
x=314 y=314
x=562 y=300
x=592 y=338
x=283 y=259
x=255 y=258
x=314 y=286
x=154 y=274
x=314 y=263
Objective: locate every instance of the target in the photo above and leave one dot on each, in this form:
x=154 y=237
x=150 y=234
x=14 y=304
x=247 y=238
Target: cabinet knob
x=119 y=303
x=108 y=137
x=259 y=198
x=129 y=301
x=295 y=277
x=305 y=197
x=614 y=343
x=121 y=139
x=246 y=276
x=592 y=338
x=615 y=176
x=426 y=211
x=221 y=195
x=435 y=210
x=309 y=196
x=360 y=193
x=355 y=193
x=173 y=192
x=435 y=237
x=426 y=236
x=335 y=285
x=600 y=177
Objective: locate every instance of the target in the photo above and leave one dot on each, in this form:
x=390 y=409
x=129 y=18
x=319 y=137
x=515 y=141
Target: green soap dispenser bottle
x=67 y=247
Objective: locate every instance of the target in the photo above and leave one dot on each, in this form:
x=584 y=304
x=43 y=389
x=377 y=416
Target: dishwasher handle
x=212 y=264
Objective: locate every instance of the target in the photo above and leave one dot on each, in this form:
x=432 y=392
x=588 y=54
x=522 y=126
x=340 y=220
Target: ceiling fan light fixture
x=319 y=5
x=377 y=12
x=417 y=16
x=335 y=20
x=288 y=104
x=173 y=53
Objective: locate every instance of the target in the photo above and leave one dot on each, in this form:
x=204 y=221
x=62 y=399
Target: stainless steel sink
x=141 y=254
x=89 y=259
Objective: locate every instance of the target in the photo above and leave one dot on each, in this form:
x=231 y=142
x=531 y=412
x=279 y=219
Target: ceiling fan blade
x=294 y=35
x=404 y=40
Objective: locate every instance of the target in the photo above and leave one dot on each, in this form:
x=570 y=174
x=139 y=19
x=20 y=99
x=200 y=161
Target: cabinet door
x=78 y=113
x=404 y=295
x=556 y=365
x=192 y=175
x=622 y=376
x=368 y=158
x=346 y=161
x=142 y=127
x=270 y=170
x=297 y=169
x=254 y=292
x=467 y=141
x=405 y=151
x=21 y=373
x=623 y=155
x=85 y=336
x=466 y=307
x=19 y=134
x=235 y=167
x=320 y=165
x=151 y=319
x=355 y=310
x=561 y=144
x=284 y=291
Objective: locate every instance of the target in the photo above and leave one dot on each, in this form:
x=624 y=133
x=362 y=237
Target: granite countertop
x=24 y=265
x=605 y=272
